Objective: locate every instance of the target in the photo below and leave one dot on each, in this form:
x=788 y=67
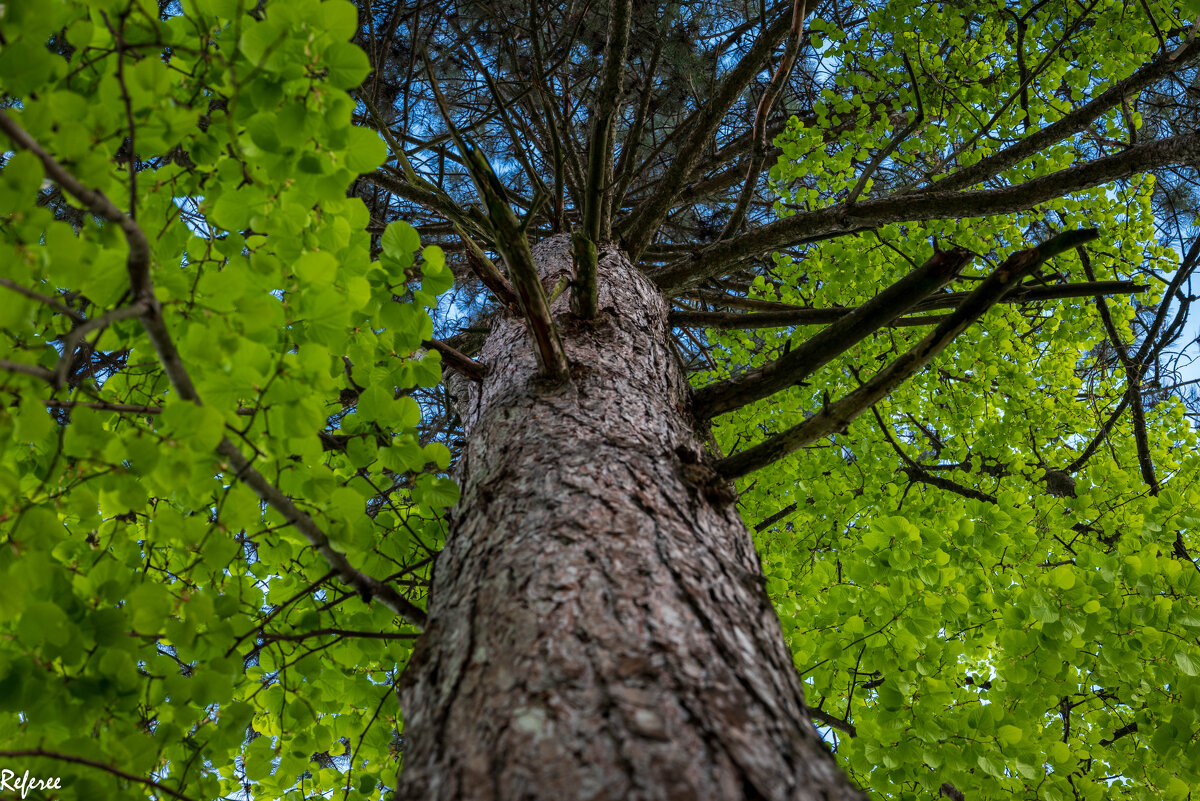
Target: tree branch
x=368 y=587
x=1133 y=378
x=916 y=472
x=736 y=321
x=334 y=632
x=597 y=192
x=138 y=265
x=781 y=315
x=27 y=369
x=514 y=247
x=761 y=114
x=845 y=727
x=895 y=141
x=638 y=227
x=46 y=299
x=1071 y=123
x=842 y=219
x=458 y=361
x=78 y=760
x=836 y=417
x=817 y=351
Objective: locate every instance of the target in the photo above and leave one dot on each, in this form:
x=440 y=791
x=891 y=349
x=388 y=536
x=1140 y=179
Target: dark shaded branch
x=736 y=321
x=46 y=299
x=845 y=727
x=638 y=228
x=597 y=192
x=623 y=173
x=28 y=369
x=916 y=472
x=761 y=114
x=895 y=141
x=535 y=179
x=413 y=187
x=775 y=518
x=1133 y=379
x=812 y=354
x=838 y=416
x=307 y=590
x=104 y=406
x=1101 y=435
x=1145 y=352
x=950 y=791
x=364 y=635
x=488 y=273
x=1125 y=730
x=458 y=361
x=75 y=337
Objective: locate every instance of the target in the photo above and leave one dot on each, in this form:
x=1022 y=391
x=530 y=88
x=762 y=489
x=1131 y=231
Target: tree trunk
x=598 y=625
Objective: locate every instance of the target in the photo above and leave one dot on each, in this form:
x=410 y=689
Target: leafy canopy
x=977 y=576
x=157 y=615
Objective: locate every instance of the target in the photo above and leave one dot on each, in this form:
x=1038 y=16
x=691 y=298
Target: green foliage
x=155 y=614
x=1017 y=642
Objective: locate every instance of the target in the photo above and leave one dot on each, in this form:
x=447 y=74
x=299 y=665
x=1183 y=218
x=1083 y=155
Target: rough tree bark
x=598 y=624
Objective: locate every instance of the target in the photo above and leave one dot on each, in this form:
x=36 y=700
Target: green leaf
x=436 y=492
x=1063 y=577
x=366 y=150
x=347 y=65
x=400 y=241
x=1009 y=735
x=316 y=267
x=202 y=427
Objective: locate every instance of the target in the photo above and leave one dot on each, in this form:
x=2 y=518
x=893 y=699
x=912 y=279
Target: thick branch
x=841 y=219
x=836 y=417
x=781 y=315
x=817 y=351
x=514 y=246
x=1073 y=122
x=598 y=191
x=458 y=361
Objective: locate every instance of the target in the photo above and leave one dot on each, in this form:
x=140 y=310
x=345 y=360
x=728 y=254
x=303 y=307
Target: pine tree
x=416 y=373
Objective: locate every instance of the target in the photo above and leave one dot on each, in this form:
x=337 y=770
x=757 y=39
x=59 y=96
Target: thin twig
x=78 y=760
